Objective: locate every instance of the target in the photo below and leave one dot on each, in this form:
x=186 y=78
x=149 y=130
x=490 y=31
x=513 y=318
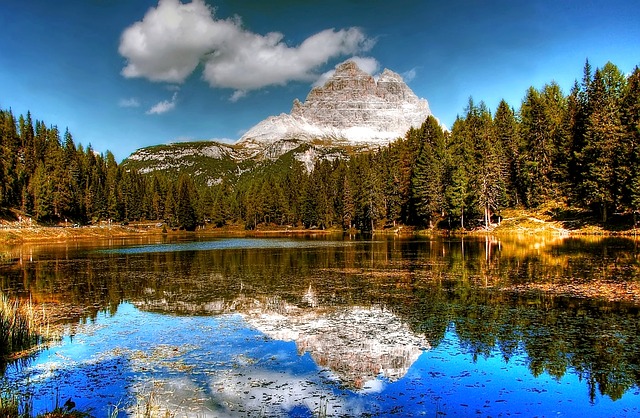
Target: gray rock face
x=352 y=112
x=352 y=108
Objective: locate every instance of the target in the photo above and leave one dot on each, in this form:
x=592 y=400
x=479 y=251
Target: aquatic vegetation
x=19 y=327
x=13 y=405
x=302 y=327
x=9 y=405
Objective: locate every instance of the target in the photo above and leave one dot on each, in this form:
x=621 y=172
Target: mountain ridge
x=352 y=107
x=352 y=112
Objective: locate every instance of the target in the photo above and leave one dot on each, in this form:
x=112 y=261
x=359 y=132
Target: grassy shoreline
x=553 y=220
x=20 y=327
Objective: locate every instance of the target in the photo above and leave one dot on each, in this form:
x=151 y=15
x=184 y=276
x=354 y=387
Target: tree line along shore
x=570 y=158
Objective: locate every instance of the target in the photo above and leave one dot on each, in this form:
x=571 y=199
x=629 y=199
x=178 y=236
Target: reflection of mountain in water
x=431 y=284
x=357 y=344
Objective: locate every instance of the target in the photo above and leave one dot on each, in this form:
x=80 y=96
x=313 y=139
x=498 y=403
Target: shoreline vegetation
x=578 y=149
x=22 y=327
x=548 y=221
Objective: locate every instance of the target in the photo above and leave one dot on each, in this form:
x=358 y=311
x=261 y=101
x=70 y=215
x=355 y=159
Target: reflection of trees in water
x=434 y=285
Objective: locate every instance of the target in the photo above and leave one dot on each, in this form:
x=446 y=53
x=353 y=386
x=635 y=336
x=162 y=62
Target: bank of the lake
x=547 y=220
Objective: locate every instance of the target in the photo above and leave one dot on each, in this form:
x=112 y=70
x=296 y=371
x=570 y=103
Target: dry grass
x=9 y=405
x=20 y=326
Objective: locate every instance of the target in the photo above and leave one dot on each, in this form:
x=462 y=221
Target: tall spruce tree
x=631 y=122
x=537 y=158
x=603 y=136
x=428 y=179
x=459 y=195
x=185 y=211
x=507 y=134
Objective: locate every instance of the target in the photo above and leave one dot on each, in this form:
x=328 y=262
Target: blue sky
x=123 y=74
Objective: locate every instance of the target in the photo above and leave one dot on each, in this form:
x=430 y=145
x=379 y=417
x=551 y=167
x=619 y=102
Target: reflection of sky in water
x=219 y=366
x=226 y=244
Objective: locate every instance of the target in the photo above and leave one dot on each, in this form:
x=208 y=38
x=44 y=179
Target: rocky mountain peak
x=352 y=107
x=351 y=112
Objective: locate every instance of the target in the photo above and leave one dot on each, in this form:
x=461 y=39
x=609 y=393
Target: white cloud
x=408 y=76
x=173 y=38
x=130 y=102
x=367 y=64
x=237 y=95
x=163 y=106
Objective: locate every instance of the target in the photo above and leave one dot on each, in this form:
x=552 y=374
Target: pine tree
x=185 y=211
x=603 y=136
x=631 y=123
x=348 y=206
x=457 y=194
x=507 y=134
x=428 y=181
x=538 y=155
x=157 y=199
x=11 y=145
x=42 y=188
x=490 y=171
x=391 y=188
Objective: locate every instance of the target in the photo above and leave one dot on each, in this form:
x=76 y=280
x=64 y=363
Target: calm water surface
x=331 y=327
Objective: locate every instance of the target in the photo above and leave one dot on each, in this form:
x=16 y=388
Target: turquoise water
x=227 y=244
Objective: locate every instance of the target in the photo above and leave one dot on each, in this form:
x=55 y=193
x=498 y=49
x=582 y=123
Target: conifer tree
x=507 y=134
x=42 y=185
x=537 y=158
x=457 y=194
x=348 y=204
x=10 y=144
x=170 y=206
x=427 y=182
x=631 y=123
x=603 y=137
x=490 y=172
x=185 y=212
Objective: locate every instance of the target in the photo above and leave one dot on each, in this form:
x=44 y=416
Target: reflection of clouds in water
x=373 y=386
x=251 y=391
x=277 y=393
x=170 y=397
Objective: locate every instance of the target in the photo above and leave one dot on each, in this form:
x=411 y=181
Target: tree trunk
x=486 y=217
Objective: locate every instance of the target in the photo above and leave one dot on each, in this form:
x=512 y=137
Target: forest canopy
x=580 y=148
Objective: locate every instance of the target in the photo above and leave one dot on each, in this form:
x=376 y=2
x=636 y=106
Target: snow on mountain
x=352 y=108
x=351 y=112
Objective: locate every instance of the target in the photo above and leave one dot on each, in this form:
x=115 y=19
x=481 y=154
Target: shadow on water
x=291 y=310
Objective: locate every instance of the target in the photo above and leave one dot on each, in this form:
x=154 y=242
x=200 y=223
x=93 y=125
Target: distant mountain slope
x=209 y=163
x=352 y=112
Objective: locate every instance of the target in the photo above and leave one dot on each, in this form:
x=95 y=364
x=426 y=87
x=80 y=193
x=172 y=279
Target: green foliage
x=428 y=179
x=185 y=207
x=17 y=327
x=583 y=148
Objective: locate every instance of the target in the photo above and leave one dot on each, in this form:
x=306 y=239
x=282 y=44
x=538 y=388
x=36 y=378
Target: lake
x=333 y=326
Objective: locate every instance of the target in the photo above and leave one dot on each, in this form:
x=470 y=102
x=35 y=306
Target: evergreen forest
x=581 y=149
